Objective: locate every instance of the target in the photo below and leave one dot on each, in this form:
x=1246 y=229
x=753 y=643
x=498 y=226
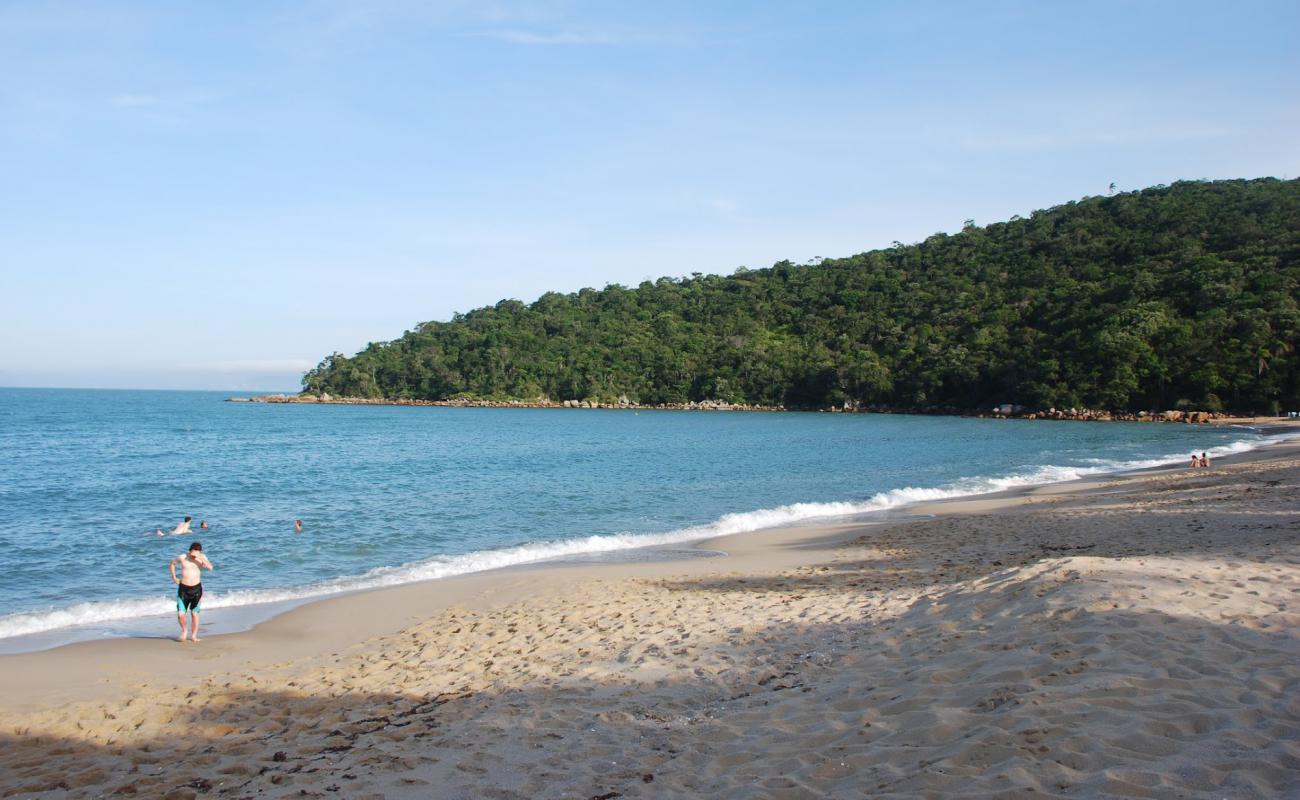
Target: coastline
x=705 y=629
x=1005 y=411
x=240 y=614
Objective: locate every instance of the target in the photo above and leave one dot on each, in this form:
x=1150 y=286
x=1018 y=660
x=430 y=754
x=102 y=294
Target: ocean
x=391 y=495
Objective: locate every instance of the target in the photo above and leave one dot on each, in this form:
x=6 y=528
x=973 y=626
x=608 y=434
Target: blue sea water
x=396 y=494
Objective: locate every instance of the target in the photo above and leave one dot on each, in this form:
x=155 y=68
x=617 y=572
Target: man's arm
x=204 y=562
x=171 y=567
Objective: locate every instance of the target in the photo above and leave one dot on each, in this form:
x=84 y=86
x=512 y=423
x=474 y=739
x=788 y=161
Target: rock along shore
x=307 y=399
x=1005 y=411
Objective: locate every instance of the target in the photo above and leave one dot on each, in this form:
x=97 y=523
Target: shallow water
x=394 y=494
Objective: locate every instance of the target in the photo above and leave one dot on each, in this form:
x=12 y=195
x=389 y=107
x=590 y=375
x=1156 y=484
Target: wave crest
x=113 y=611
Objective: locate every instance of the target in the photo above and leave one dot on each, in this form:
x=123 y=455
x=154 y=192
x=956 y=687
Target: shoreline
x=1121 y=634
x=727 y=547
x=238 y=619
x=1006 y=411
x=246 y=615
x=242 y=618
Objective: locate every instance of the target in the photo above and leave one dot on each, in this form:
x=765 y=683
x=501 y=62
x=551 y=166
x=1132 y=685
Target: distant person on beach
x=189 y=588
x=297 y=526
x=1205 y=462
x=1196 y=462
x=182 y=527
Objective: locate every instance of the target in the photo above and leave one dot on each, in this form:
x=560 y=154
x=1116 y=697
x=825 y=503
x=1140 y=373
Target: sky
x=199 y=195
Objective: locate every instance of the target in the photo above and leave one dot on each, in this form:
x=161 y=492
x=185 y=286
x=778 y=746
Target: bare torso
x=190 y=566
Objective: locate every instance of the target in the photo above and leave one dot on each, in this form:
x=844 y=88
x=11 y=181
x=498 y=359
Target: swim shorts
x=187 y=597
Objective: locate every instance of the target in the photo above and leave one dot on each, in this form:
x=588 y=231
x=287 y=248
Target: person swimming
x=297 y=526
x=182 y=527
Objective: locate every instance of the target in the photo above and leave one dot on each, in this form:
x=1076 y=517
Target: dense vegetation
x=1178 y=296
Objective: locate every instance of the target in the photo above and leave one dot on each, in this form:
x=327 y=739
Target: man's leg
x=194 y=628
x=180 y=617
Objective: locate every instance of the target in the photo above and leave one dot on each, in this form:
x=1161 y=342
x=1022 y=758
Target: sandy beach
x=1125 y=636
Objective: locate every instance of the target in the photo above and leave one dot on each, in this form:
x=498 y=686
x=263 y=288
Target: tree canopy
x=1181 y=296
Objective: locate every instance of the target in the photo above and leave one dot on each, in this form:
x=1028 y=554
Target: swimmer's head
x=197 y=547
x=187 y=519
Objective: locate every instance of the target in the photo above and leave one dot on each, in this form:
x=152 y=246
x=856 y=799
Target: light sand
x=1131 y=636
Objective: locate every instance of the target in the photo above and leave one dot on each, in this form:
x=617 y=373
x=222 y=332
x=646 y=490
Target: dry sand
x=1130 y=637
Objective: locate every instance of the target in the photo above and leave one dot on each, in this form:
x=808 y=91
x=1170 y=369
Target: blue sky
x=217 y=195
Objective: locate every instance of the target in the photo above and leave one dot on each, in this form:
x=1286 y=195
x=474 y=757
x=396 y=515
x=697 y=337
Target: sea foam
x=117 y=611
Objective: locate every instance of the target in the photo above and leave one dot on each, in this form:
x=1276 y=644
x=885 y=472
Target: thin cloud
x=727 y=208
x=1063 y=140
x=257 y=366
x=560 y=38
x=159 y=102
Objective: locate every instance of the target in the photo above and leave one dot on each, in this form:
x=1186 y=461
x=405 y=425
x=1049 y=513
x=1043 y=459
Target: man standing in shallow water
x=189 y=587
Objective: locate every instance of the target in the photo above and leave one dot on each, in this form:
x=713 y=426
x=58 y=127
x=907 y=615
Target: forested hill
x=1178 y=296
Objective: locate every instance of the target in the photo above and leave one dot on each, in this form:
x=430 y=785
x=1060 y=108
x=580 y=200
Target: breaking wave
x=118 y=611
